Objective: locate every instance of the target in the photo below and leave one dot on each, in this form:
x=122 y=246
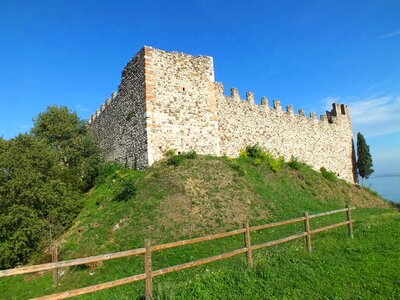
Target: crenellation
x=323 y=118
x=313 y=116
x=170 y=100
x=235 y=94
x=250 y=97
x=277 y=105
x=264 y=101
x=219 y=88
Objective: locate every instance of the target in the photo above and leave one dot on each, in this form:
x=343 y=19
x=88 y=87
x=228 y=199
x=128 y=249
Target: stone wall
x=119 y=125
x=169 y=100
x=182 y=114
x=320 y=143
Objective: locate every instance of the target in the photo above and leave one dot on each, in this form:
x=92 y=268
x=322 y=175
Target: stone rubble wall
x=182 y=114
x=169 y=100
x=119 y=125
x=319 y=143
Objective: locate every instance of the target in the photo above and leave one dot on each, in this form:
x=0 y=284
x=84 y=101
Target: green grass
x=208 y=195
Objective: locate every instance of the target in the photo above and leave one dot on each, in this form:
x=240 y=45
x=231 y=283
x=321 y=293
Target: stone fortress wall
x=119 y=125
x=170 y=100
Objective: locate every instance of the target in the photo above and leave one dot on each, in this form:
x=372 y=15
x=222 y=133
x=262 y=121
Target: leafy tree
x=42 y=177
x=364 y=159
x=34 y=198
x=66 y=133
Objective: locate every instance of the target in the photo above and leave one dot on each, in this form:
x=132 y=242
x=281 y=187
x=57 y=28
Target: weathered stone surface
x=120 y=129
x=169 y=100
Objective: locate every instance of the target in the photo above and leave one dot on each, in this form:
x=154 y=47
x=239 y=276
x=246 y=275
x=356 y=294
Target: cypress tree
x=364 y=159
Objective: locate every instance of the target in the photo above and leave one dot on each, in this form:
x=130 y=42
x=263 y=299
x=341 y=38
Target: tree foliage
x=42 y=178
x=364 y=158
x=67 y=134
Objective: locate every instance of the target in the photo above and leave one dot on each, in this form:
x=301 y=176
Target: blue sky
x=305 y=53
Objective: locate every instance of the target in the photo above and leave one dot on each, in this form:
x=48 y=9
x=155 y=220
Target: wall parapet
x=338 y=112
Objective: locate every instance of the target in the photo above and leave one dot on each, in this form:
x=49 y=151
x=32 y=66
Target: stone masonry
x=169 y=100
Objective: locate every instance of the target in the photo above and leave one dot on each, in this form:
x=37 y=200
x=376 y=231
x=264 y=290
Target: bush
x=176 y=159
x=126 y=191
x=107 y=169
x=243 y=153
x=255 y=151
x=238 y=168
x=294 y=163
x=170 y=152
x=257 y=161
x=331 y=176
x=259 y=156
x=276 y=164
x=190 y=155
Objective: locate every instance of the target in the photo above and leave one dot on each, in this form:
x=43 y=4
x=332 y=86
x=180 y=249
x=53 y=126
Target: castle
x=169 y=100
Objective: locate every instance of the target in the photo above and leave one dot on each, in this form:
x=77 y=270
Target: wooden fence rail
x=149 y=274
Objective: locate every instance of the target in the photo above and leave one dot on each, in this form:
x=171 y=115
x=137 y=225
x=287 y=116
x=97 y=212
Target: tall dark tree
x=364 y=158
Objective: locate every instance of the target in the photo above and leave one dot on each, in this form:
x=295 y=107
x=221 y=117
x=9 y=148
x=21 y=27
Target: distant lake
x=387 y=186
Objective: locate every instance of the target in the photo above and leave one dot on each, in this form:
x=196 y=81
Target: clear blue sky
x=305 y=53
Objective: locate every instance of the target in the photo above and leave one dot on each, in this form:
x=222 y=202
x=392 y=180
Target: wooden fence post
x=350 y=225
x=247 y=243
x=54 y=258
x=147 y=269
x=307 y=230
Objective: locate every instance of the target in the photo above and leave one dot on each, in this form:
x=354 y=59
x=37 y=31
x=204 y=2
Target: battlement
x=331 y=117
x=170 y=100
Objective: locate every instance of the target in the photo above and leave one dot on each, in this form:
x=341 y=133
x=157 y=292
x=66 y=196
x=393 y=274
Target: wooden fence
x=148 y=249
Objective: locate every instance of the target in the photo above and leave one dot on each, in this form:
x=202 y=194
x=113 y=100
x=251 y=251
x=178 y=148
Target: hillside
x=193 y=196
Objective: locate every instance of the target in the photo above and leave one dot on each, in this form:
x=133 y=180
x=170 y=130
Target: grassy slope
x=208 y=195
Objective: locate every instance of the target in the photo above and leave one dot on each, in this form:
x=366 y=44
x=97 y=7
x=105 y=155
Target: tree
x=42 y=177
x=67 y=134
x=364 y=159
x=33 y=198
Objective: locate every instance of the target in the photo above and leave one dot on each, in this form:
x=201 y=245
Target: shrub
x=259 y=156
x=126 y=191
x=257 y=161
x=176 y=159
x=238 y=168
x=130 y=115
x=190 y=155
x=328 y=174
x=255 y=151
x=243 y=153
x=276 y=164
x=107 y=169
x=170 y=152
x=294 y=163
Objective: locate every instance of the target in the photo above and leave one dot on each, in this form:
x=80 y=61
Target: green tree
x=42 y=177
x=34 y=198
x=67 y=134
x=364 y=158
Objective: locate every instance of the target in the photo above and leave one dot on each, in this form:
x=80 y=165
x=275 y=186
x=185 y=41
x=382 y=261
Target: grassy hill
x=191 y=196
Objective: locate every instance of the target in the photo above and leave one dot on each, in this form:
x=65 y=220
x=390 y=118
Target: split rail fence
x=148 y=249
